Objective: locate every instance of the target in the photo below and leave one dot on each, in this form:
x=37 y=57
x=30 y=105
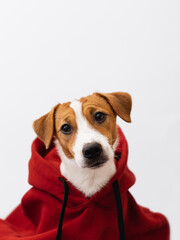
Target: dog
x=85 y=134
x=91 y=187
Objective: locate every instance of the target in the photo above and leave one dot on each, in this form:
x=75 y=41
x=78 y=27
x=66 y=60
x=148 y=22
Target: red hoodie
x=104 y=216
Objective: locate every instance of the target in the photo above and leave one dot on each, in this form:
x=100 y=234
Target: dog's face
x=86 y=129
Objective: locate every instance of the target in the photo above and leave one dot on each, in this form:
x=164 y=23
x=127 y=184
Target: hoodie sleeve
x=16 y=225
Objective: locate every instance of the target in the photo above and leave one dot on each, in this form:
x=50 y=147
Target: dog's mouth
x=96 y=164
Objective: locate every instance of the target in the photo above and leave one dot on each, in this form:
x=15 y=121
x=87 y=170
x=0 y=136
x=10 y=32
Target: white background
x=56 y=51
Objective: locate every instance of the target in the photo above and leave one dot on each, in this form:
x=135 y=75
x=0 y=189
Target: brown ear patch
x=120 y=102
x=44 y=127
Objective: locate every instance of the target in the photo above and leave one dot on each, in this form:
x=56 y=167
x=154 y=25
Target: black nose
x=92 y=150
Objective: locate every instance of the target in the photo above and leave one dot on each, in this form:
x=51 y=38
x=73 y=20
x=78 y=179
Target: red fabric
x=37 y=216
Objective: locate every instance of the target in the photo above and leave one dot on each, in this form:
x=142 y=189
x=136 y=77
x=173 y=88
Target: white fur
x=87 y=180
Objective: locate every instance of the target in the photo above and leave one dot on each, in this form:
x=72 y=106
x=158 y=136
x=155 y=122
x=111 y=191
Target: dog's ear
x=121 y=103
x=44 y=126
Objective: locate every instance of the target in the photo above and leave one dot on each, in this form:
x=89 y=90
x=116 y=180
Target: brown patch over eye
x=65 y=128
x=100 y=115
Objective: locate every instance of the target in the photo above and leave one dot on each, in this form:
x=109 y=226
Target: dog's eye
x=100 y=117
x=66 y=129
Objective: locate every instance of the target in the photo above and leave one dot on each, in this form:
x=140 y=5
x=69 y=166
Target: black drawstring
x=118 y=207
x=66 y=192
x=119 y=210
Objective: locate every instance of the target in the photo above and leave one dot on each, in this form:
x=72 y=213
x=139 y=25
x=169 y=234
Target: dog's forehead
x=94 y=100
x=67 y=111
x=64 y=110
x=64 y=113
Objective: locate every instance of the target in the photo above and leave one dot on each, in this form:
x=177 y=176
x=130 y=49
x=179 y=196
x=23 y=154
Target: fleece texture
x=37 y=216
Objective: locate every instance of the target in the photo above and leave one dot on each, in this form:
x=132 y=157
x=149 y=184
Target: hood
x=44 y=171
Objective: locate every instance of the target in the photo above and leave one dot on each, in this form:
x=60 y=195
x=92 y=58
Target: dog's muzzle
x=93 y=154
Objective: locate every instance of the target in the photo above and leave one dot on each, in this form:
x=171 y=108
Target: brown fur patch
x=120 y=102
x=65 y=114
x=94 y=103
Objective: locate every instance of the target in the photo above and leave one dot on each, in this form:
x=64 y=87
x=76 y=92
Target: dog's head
x=85 y=129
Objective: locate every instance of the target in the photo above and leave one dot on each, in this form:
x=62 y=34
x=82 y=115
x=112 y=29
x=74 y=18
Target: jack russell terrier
x=92 y=185
x=85 y=134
